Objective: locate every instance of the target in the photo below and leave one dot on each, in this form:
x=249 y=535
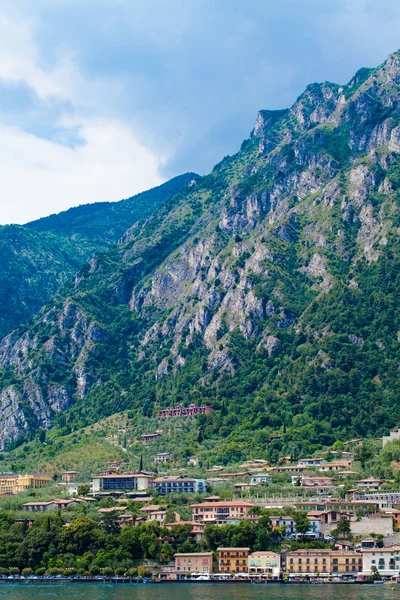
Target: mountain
x=37 y=258
x=269 y=289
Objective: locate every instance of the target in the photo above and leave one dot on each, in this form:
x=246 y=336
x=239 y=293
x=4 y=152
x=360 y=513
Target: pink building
x=188 y=411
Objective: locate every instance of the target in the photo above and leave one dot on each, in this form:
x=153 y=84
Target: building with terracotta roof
x=69 y=476
x=196 y=533
x=311 y=562
x=221 y=513
x=193 y=562
x=336 y=465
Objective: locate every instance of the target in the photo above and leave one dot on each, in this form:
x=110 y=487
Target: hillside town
x=323 y=521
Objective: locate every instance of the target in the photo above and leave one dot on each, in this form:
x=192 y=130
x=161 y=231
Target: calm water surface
x=197 y=592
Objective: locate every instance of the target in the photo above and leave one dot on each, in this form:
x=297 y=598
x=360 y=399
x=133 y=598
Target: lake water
x=197 y=592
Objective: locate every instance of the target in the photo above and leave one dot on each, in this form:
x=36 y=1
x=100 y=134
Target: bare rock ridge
x=261 y=278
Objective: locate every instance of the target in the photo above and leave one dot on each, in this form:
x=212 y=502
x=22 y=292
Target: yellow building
x=233 y=560
x=12 y=483
x=330 y=562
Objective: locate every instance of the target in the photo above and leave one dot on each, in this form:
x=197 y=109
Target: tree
x=375 y=575
x=364 y=453
x=83 y=490
x=302 y=524
x=144 y=572
x=94 y=570
x=170 y=516
x=167 y=552
x=255 y=510
x=343 y=529
x=141 y=463
x=81 y=536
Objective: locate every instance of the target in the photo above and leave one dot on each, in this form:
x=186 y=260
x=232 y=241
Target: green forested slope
x=37 y=258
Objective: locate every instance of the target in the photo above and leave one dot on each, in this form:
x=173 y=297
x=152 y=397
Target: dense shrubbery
x=87 y=545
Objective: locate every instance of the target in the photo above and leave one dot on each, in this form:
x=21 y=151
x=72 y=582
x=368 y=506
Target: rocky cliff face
x=303 y=218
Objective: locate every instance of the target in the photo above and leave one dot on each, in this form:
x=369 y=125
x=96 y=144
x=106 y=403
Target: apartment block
x=193 y=562
x=329 y=562
x=221 y=513
x=233 y=560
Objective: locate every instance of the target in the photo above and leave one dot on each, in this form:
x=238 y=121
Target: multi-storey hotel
x=307 y=562
x=179 y=485
x=121 y=482
x=12 y=483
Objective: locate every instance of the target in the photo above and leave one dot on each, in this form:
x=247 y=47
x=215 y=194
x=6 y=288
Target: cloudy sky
x=101 y=99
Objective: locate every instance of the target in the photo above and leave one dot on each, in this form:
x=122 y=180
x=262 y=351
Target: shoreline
x=127 y=581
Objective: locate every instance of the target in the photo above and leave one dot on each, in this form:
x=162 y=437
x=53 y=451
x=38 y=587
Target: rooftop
x=193 y=554
x=122 y=476
x=233 y=549
x=222 y=503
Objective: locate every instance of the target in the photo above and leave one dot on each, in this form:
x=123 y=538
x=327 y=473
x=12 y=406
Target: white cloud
x=39 y=177
x=19 y=57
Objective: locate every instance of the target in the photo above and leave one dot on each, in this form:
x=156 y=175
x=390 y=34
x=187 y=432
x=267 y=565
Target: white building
x=261 y=478
x=382 y=499
x=265 y=563
x=311 y=462
x=385 y=560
